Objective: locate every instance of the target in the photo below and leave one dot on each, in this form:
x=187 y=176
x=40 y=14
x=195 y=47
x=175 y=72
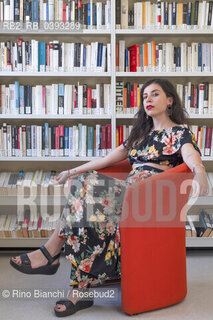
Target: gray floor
x=198 y=303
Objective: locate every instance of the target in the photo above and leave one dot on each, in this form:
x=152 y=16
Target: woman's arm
x=119 y=154
x=193 y=160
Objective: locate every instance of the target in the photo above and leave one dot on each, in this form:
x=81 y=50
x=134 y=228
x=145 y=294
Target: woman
x=158 y=141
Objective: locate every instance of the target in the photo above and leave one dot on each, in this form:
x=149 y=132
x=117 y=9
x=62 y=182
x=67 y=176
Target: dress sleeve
x=188 y=136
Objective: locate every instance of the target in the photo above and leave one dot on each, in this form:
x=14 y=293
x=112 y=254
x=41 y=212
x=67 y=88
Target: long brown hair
x=143 y=125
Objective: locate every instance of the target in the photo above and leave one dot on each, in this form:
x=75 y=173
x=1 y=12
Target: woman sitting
x=160 y=139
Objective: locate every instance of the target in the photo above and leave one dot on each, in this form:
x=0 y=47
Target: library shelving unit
x=131 y=36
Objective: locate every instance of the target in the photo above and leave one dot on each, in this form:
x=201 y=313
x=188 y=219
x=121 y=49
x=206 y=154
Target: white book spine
x=183 y=47
x=121 y=55
x=108 y=57
x=6 y=11
x=75 y=141
x=21 y=142
x=108 y=14
x=99 y=14
x=38 y=99
x=11 y=10
x=81 y=57
x=84 y=141
x=80 y=99
x=48 y=98
x=201 y=98
x=88 y=58
x=139 y=15
x=104 y=59
x=55 y=57
x=51 y=10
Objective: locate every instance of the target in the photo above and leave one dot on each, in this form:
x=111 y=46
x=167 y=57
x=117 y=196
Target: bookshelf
x=112 y=35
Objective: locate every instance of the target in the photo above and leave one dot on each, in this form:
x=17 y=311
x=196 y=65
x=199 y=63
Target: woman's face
x=155 y=101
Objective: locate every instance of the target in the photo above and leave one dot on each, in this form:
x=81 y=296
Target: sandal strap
x=67 y=303
x=25 y=259
x=48 y=256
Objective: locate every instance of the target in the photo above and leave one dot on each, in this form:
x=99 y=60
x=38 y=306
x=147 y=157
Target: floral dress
x=90 y=220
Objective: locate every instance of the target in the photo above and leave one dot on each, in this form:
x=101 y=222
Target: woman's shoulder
x=180 y=127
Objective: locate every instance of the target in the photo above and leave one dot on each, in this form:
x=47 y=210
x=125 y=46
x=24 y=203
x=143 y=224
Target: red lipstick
x=149 y=107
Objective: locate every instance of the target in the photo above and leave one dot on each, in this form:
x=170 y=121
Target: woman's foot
x=37 y=258
x=73 y=303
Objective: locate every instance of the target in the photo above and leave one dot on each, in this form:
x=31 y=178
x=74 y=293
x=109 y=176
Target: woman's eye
x=155 y=94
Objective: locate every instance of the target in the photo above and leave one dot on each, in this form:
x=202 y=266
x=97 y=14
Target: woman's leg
x=53 y=245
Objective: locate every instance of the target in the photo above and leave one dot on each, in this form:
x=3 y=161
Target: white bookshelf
x=113 y=35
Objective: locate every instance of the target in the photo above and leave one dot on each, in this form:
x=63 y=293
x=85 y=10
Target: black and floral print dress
x=89 y=221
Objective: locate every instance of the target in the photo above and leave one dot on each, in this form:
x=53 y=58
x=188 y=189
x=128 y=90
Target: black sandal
x=48 y=269
x=72 y=308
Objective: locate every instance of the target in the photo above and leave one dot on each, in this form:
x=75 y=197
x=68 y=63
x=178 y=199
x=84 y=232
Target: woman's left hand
x=62 y=177
x=200 y=186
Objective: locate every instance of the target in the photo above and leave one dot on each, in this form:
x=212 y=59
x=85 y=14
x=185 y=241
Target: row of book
x=88 y=15
x=55 y=141
x=196 y=98
x=32 y=183
x=63 y=99
x=201 y=225
x=164 y=57
x=164 y=15
x=204 y=138
x=78 y=140
x=11 y=227
x=36 y=56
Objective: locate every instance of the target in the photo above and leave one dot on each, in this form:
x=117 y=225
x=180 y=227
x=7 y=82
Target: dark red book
x=133 y=58
x=103 y=140
x=89 y=98
x=121 y=134
x=64 y=12
x=109 y=137
x=208 y=142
